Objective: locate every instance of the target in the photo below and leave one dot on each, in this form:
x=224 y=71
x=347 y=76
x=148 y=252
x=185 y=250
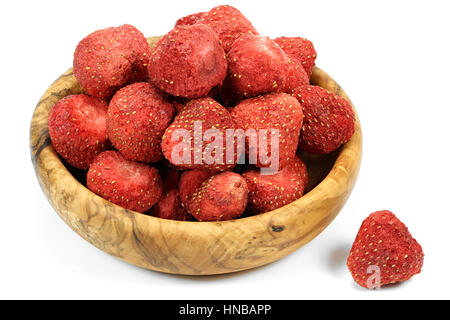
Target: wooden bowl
x=193 y=248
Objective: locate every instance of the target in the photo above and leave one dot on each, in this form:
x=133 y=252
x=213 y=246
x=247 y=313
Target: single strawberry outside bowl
x=193 y=248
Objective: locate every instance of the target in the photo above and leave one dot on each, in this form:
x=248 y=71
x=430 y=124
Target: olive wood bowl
x=193 y=248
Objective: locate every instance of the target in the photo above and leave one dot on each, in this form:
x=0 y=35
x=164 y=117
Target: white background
x=391 y=57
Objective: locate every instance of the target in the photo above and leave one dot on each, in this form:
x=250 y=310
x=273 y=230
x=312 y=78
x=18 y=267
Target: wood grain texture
x=192 y=248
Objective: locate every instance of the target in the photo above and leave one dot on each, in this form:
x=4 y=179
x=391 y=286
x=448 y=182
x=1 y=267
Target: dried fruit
x=77 y=128
x=270 y=192
x=188 y=62
x=169 y=207
x=228 y=23
x=256 y=65
x=299 y=49
x=190 y=19
x=296 y=76
x=190 y=181
x=384 y=252
x=221 y=197
x=329 y=120
x=280 y=115
x=186 y=143
x=132 y=185
x=138 y=115
x=109 y=59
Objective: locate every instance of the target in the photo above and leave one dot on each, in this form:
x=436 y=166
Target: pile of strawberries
x=213 y=71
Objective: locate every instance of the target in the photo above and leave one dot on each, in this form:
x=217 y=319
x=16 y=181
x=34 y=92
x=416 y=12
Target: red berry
x=77 y=127
x=169 y=207
x=275 y=111
x=137 y=117
x=221 y=197
x=256 y=65
x=183 y=151
x=188 y=62
x=190 y=19
x=296 y=76
x=108 y=59
x=329 y=119
x=190 y=181
x=229 y=24
x=384 y=252
x=132 y=185
x=299 y=49
x=270 y=192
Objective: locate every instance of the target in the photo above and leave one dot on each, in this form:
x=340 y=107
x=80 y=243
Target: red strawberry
x=275 y=111
x=229 y=24
x=190 y=181
x=329 y=119
x=179 y=143
x=170 y=207
x=179 y=102
x=138 y=114
x=221 y=197
x=190 y=19
x=137 y=118
x=296 y=76
x=108 y=59
x=132 y=185
x=384 y=252
x=77 y=127
x=299 y=49
x=270 y=192
x=256 y=65
x=188 y=62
